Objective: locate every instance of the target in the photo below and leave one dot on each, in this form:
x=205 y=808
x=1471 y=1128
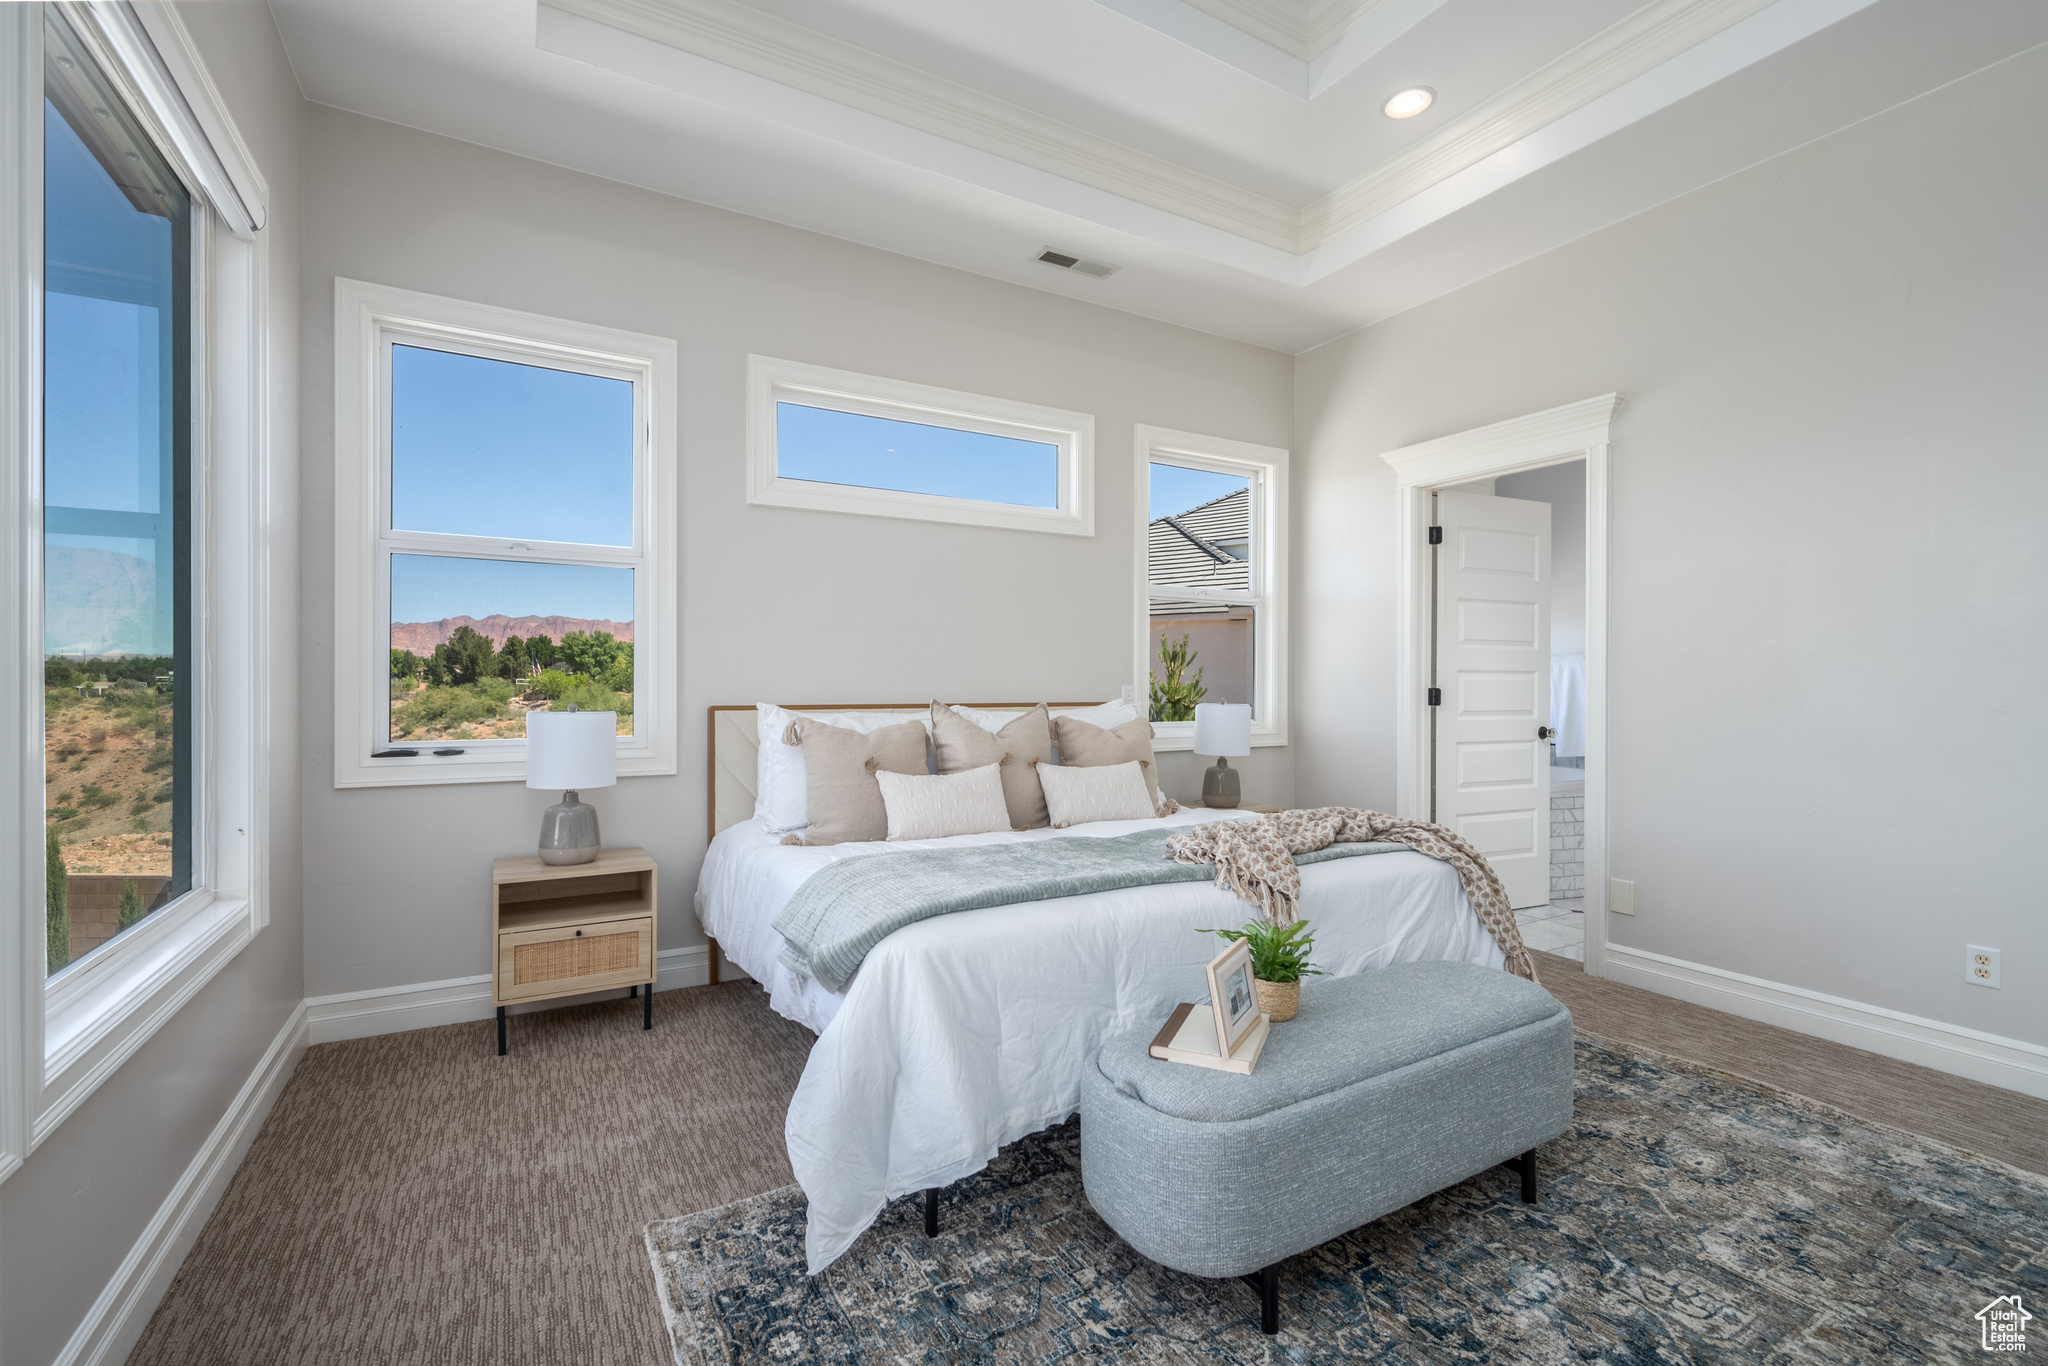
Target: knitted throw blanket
x=1255 y=859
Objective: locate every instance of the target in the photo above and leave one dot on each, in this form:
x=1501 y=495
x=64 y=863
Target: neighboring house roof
x=1188 y=548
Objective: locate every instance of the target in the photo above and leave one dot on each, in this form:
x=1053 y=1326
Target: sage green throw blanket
x=846 y=908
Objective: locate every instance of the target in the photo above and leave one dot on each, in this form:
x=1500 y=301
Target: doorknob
x=1544 y=733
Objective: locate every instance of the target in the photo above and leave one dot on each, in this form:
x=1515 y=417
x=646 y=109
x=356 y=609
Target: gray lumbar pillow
x=843 y=797
x=1086 y=746
x=964 y=745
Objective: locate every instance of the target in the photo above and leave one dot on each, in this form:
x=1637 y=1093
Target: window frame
x=75 y=1029
x=1266 y=467
x=369 y=319
x=771 y=381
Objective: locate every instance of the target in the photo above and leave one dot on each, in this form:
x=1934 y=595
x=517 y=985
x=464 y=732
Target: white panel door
x=1493 y=677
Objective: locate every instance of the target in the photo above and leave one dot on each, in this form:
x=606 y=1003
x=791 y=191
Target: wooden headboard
x=736 y=748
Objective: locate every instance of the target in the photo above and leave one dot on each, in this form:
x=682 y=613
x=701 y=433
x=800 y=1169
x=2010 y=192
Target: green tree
x=540 y=652
x=471 y=656
x=130 y=904
x=1174 y=697
x=619 y=677
x=511 y=661
x=56 y=905
x=589 y=652
x=59 y=674
x=406 y=664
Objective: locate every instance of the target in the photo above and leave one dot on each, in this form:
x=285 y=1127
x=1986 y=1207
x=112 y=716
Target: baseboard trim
x=2010 y=1063
x=458 y=1000
x=115 y=1322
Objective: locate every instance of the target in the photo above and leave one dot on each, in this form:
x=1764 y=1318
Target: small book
x=1190 y=1037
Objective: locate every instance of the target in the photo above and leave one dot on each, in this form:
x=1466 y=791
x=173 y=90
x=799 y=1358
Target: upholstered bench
x=1387 y=1086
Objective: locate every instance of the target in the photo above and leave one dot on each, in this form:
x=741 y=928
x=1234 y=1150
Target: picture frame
x=1232 y=998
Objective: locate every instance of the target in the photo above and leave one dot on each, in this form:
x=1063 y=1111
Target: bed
x=963 y=1033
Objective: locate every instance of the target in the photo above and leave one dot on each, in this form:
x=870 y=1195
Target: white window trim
x=1267 y=467
x=73 y=1031
x=367 y=319
x=770 y=381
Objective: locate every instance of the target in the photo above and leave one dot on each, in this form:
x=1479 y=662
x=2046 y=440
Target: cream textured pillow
x=1108 y=792
x=1085 y=746
x=931 y=806
x=842 y=798
x=964 y=742
x=780 y=788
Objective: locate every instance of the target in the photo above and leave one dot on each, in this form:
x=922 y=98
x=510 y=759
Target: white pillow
x=781 y=785
x=936 y=805
x=1108 y=792
x=1109 y=715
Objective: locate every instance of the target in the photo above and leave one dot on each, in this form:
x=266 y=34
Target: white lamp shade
x=567 y=750
x=1223 y=729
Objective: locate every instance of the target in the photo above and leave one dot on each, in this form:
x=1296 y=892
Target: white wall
x=1830 y=564
x=777 y=605
x=1564 y=488
x=82 y=1200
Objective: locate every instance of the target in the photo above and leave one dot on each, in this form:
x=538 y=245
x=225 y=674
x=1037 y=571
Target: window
x=833 y=441
x=1211 y=608
x=119 y=686
x=505 y=542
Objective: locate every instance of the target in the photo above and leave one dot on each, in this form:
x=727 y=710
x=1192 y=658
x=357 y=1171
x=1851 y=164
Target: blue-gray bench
x=1386 y=1087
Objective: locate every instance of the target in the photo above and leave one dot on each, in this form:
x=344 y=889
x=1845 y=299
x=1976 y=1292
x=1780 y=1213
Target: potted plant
x=1279 y=959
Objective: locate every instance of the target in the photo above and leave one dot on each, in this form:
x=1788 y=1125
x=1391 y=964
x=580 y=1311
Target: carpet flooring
x=414 y=1199
x=1686 y=1216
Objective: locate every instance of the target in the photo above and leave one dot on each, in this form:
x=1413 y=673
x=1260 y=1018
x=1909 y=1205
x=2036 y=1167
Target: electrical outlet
x=1130 y=693
x=1982 y=969
x=1621 y=896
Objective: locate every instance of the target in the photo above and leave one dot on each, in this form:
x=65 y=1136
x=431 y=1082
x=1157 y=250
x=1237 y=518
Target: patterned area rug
x=1688 y=1217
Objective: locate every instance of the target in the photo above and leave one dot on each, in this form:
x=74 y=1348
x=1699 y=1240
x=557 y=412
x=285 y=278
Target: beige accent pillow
x=1107 y=792
x=843 y=801
x=931 y=806
x=964 y=744
x=1085 y=746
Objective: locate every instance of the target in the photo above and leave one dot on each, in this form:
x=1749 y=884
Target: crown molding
x=1639 y=44
x=751 y=40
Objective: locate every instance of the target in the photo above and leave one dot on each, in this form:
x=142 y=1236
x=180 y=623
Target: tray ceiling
x=1229 y=156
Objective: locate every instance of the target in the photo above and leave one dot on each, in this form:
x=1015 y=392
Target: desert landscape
x=462 y=678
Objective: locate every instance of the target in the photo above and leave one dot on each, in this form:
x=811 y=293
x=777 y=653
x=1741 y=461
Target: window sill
x=99 y=1016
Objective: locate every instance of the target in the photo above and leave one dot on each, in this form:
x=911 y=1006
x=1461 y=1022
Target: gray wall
x=777 y=605
x=70 y=1215
x=1830 y=575
x=1564 y=488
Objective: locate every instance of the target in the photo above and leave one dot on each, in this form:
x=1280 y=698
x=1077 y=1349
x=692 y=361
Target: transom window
x=507 y=473
x=1212 y=595
x=831 y=440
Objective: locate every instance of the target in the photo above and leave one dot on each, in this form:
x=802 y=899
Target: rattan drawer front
x=533 y=964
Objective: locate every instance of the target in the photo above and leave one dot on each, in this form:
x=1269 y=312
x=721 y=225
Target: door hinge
x=1436 y=697
x=1436 y=535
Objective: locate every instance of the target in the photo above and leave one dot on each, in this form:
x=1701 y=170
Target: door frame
x=1555 y=436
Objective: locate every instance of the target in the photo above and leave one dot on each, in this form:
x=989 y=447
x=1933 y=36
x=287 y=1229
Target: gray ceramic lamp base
x=1219 y=785
x=568 y=832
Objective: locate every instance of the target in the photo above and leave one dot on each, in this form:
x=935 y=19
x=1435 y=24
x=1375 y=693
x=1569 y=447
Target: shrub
x=445 y=707
x=553 y=683
x=56 y=905
x=619 y=677
x=590 y=696
x=1174 y=697
x=163 y=794
x=96 y=797
x=98 y=738
x=129 y=907
x=158 y=760
x=60 y=813
x=140 y=806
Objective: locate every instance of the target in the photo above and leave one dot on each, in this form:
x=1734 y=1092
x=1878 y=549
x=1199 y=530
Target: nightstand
x=566 y=929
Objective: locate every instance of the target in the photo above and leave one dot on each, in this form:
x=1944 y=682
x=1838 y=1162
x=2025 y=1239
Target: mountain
x=421 y=637
x=100 y=602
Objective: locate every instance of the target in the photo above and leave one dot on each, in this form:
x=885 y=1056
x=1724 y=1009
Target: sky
x=519 y=452
x=1176 y=488
x=830 y=447
x=430 y=587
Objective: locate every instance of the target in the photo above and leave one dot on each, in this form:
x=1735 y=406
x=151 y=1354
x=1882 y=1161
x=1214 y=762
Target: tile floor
x=1558 y=928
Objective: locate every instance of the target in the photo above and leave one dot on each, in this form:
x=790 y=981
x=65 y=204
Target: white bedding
x=965 y=1032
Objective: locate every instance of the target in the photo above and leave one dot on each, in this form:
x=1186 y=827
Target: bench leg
x=1526 y=1165
x=931 y=1212
x=1267 y=1283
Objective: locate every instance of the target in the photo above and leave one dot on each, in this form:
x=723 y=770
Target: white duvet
x=965 y=1032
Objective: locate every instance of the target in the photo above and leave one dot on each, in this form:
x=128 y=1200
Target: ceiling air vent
x=1080 y=265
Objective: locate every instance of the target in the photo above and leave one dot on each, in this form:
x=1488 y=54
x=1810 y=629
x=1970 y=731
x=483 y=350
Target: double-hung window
x=504 y=538
x=133 y=450
x=1212 y=600
x=836 y=441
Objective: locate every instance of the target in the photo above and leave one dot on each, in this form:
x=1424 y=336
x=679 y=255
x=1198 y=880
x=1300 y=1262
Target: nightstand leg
x=632 y=991
x=501 y=1031
x=647 y=1007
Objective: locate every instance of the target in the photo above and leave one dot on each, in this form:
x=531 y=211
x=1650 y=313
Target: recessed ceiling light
x=1409 y=102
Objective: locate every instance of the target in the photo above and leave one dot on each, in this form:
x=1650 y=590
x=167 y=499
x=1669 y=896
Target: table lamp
x=566 y=751
x=1223 y=729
